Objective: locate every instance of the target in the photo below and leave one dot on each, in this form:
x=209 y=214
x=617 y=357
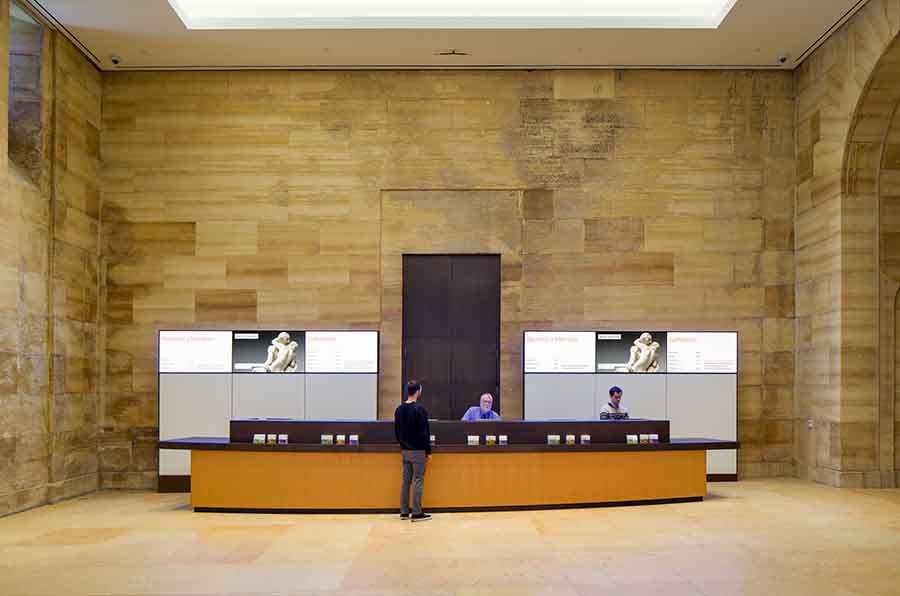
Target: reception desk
x=233 y=474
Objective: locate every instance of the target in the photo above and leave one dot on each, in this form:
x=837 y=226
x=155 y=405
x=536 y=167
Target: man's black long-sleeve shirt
x=411 y=427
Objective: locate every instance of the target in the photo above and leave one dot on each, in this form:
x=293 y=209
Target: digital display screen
x=631 y=351
x=559 y=351
x=702 y=352
x=194 y=351
x=342 y=351
x=270 y=351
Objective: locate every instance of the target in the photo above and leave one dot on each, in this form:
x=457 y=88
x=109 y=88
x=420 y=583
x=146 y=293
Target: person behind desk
x=484 y=411
x=614 y=407
x=414 y=435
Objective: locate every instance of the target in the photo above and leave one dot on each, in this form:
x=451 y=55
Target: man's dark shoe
x=404 y=516
x=420 y=517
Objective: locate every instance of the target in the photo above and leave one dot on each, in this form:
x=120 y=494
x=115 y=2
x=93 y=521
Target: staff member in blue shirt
x=483 y=411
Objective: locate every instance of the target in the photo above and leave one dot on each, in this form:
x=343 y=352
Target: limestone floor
x=754 y=537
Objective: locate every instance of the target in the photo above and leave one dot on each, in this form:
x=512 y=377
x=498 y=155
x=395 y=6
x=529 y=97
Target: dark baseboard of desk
x=721 y=477
x=393 y=510
x=173 y=484
x=182 y=484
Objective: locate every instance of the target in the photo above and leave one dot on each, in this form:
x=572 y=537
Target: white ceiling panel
x=149 y=34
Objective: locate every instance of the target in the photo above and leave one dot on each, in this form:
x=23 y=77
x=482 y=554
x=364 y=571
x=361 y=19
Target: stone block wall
x=75 y=271
x=49 y=288
x=843 y=112
x=755 y=201
x=615 y=199
x=26 y=137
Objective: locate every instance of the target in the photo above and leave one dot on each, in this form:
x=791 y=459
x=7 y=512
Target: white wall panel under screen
x=702 y=405
x=643 y=395
x=191 y=405
x=341 y=396
x=559 y=397
x=268 y=395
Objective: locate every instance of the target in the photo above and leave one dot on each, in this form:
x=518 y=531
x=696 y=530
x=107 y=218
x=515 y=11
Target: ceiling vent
x=452 y=52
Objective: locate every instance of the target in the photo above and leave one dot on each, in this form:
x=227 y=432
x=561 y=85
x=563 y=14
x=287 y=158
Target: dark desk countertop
x=224 y=444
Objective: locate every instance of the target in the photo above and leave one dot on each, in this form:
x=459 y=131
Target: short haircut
x=413 y=387
x=615 y=389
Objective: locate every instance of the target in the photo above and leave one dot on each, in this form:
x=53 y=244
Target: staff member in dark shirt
x=614 y=408
x=414 y=435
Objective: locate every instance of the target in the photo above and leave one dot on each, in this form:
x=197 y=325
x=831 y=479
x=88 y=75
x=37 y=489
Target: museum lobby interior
x=631 y=264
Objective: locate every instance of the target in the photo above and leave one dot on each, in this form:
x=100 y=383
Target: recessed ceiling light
x=452 y=14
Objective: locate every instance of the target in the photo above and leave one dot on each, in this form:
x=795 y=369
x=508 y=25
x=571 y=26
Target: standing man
x=614 y=408
x=414 y=435
x=483 y=411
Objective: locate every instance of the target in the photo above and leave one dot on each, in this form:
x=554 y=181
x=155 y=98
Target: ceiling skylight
x=452 y=14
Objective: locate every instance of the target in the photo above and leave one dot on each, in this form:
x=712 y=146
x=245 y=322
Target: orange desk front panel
x=330 y=480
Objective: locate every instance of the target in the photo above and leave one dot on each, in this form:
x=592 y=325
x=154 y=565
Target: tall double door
x=451 y=330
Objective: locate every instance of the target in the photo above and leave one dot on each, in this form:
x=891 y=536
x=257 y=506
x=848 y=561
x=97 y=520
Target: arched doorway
x=870 y=222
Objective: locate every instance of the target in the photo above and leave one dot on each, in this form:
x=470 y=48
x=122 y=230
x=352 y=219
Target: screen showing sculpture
x=702 y=352
x=194 y=351
x=342 y=351
x=268 y=351
x=559 y=352
x=631 y=352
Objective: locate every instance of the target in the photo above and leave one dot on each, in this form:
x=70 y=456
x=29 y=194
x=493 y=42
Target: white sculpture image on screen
x=643 y=355
x=282 y=355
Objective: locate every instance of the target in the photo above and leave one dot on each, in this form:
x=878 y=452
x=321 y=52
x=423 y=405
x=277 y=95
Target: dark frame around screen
x=377 y=333
x=522 y=355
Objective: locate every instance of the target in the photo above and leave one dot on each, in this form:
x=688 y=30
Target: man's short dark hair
x=413 y=387
x=615 y=389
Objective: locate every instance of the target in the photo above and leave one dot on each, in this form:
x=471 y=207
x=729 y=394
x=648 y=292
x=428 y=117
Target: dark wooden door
x=451 y=330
